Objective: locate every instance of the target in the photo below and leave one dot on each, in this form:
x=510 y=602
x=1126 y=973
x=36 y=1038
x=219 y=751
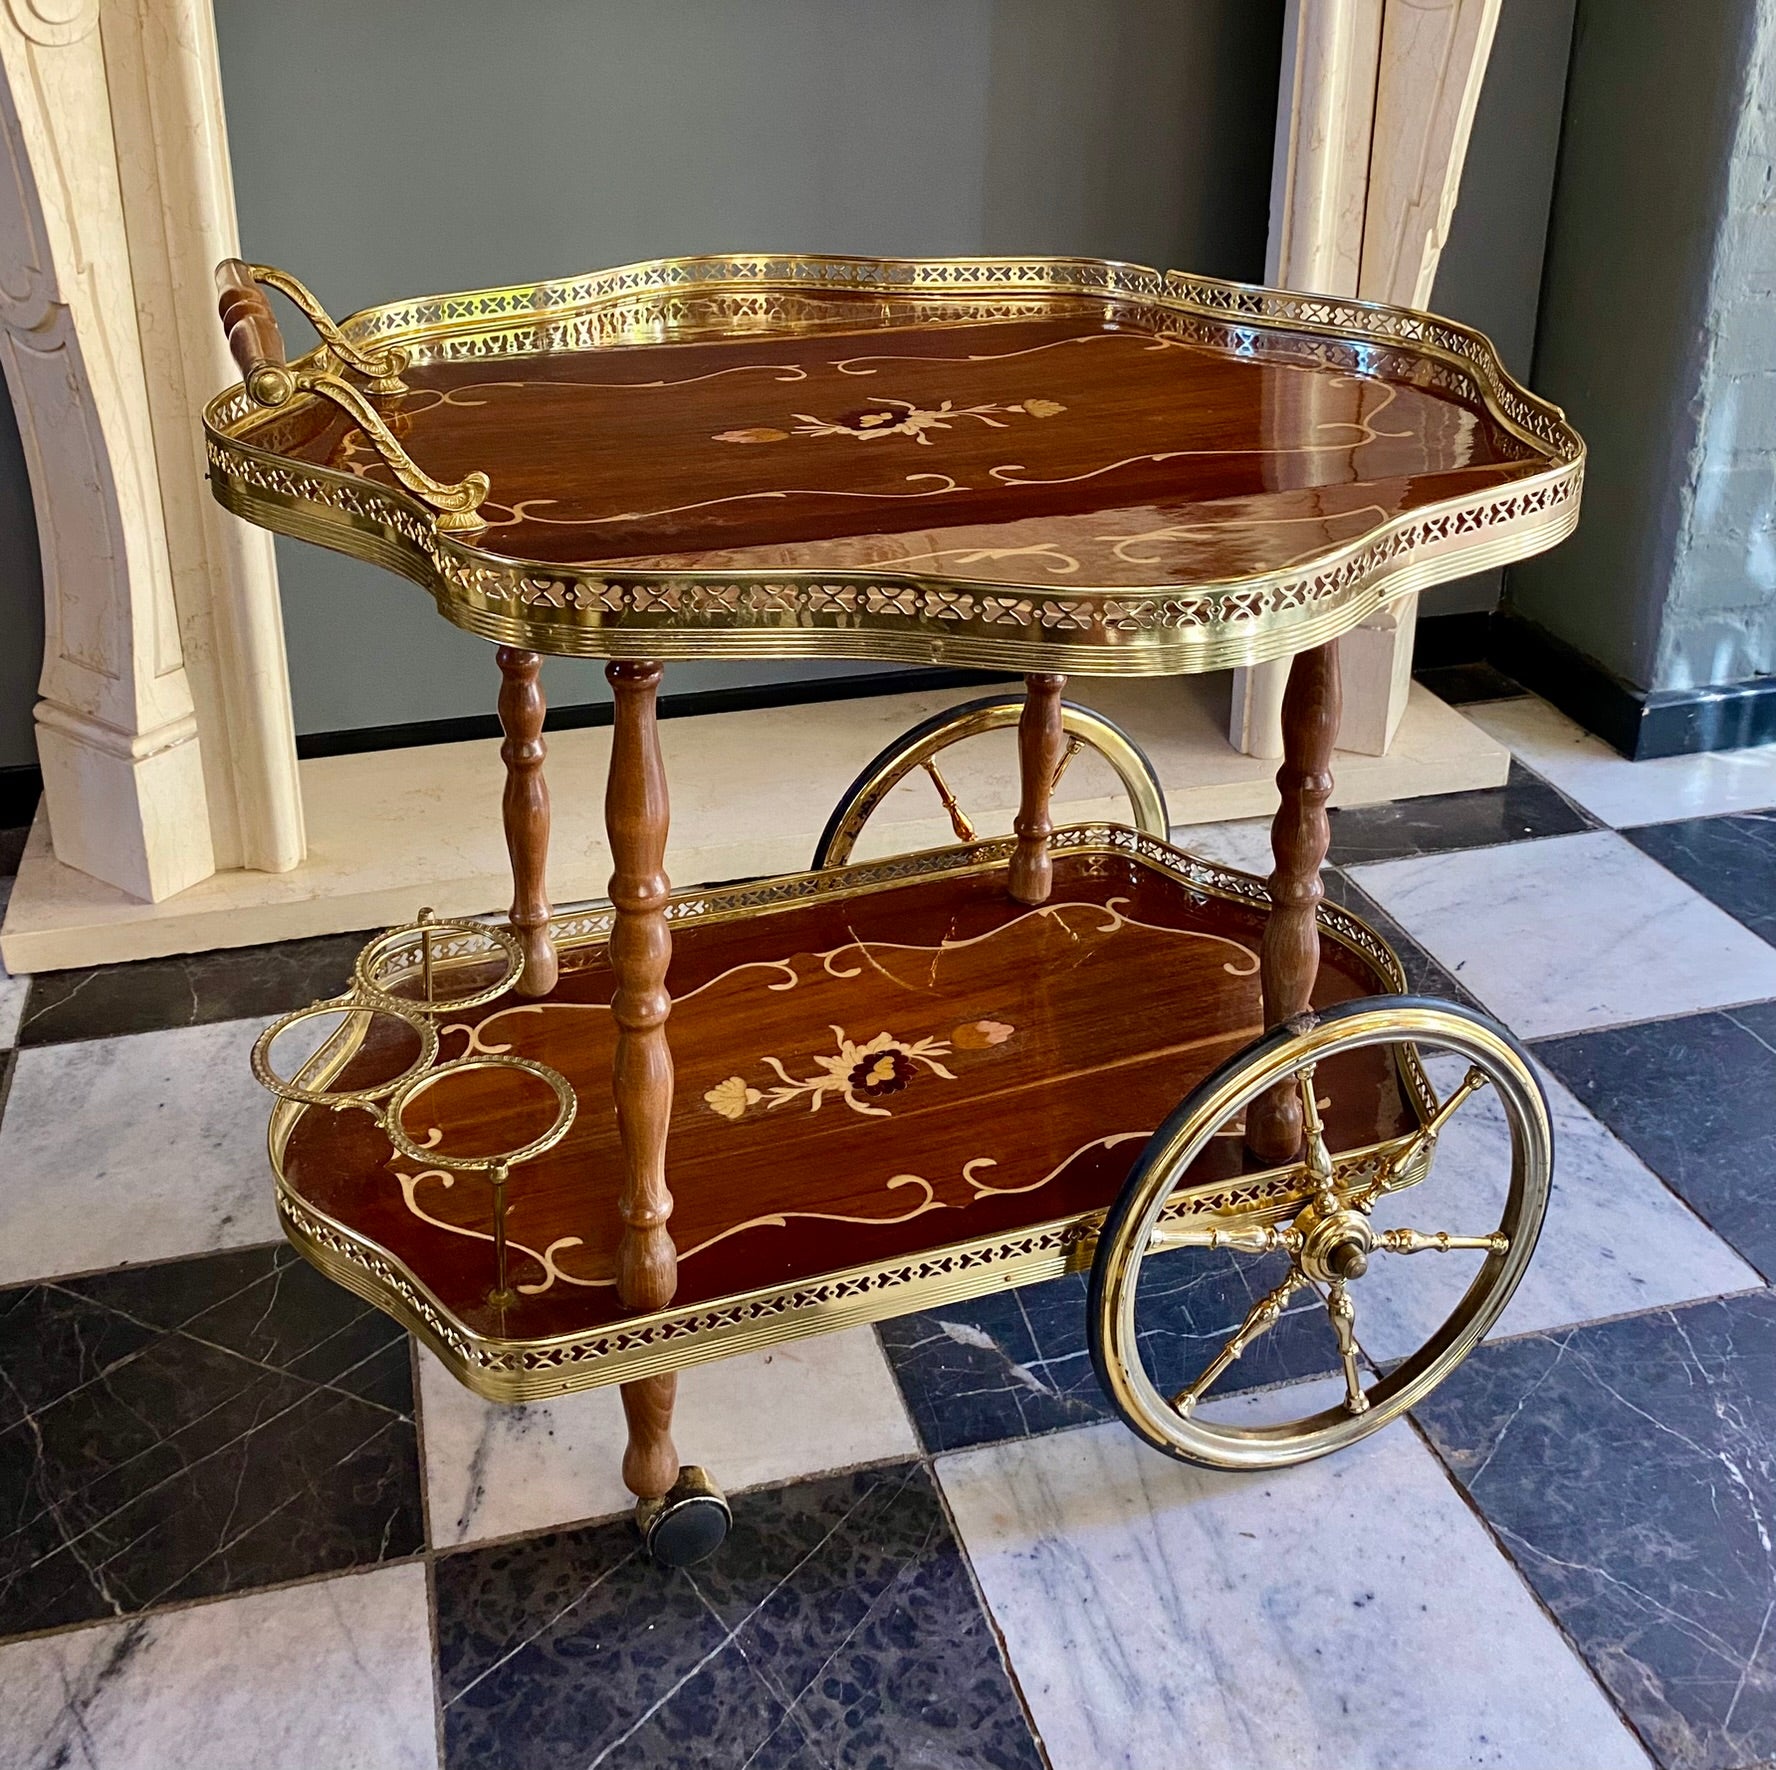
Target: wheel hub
x=1335 y=1240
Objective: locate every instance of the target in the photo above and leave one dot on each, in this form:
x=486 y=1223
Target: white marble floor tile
x=1616 y=1239
x=827 y=1402
x=1243 y=845
x=1621 y=792
x=1347 y=1613
x=1573 y=932
x=335 y=1674
x=116 y=1151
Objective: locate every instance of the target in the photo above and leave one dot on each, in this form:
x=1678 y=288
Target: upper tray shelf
x=1023 y=464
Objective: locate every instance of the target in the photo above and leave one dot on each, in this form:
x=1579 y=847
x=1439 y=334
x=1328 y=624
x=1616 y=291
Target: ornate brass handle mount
x=258 y=348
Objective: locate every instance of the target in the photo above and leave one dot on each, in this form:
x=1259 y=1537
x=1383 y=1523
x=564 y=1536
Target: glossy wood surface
x=247 y=320
x=1041 y=744
x=1079 y=447
x=857 y=1078
x=1300 y=835
x=636 y=820
x=524 y=809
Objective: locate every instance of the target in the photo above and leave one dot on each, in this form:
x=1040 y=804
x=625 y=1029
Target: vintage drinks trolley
x=596 y=1147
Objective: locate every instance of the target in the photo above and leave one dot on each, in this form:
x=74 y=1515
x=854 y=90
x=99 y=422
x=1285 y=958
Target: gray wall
x=1720 y=613
x=1636 y=299
x=21 y=600
x=579 y=135
x=1490 y=274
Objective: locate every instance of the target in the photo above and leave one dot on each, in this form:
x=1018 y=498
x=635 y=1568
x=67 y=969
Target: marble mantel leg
x=1374 y=111
x=164 y=730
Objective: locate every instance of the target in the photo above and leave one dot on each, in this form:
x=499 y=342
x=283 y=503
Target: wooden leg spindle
x=526 y=811
x=1041 y=745
x=635 y=813
x=1299 y=838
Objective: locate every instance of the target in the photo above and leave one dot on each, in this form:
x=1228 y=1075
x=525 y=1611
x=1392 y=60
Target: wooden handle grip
x=252 y=328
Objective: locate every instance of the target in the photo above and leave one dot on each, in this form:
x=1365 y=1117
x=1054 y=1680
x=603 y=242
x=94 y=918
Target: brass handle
x=258 y=349
x=253 y=334
x=248 y=317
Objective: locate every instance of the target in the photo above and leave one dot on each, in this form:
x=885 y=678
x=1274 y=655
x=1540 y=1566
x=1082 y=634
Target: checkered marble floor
x=244 y=1522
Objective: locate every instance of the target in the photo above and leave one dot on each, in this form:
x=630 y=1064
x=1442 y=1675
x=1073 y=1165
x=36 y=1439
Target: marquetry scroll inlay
x=821 y=1042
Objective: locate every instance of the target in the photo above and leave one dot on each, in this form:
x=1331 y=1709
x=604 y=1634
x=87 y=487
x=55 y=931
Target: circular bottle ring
x=412 y=1086
x=285 y=1089
x=385 y=945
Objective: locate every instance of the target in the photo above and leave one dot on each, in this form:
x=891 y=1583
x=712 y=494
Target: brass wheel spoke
x=958 y=818
x=1419 y=1151
x=1316 y=1158
x=1075 y=743
x=1343 y=1314
x=1440 y=1241
x=1262 y=1315
x=1269 y=1239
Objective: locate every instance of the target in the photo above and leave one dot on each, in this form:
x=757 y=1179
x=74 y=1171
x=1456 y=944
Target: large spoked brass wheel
x=1464 y=1197
x=918 y=749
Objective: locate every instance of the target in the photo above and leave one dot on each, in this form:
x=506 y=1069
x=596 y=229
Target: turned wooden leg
x=1299 y=838
x=526 y=810
x=635 y=816
x=1041 y=745
x=650 y=1460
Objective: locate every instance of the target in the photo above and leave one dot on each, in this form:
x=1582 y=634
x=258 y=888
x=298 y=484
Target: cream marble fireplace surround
x=174 y=805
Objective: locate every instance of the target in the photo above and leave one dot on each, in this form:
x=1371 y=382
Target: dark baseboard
x=20 y=789
x=678 y=706
x=1642 y=726
x=1444 y=640
x=1687 y=721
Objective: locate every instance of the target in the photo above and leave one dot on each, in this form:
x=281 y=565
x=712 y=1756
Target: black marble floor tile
x=12 y=848
x=1425 y=976
x=1695 y=1099
x=1462 y=685
x=201 y=1426
x=190 y=989
x=1630 y=1470
x=1016 y=1364
x=1730 y=860
x=837 y=1626
x=1524 y=806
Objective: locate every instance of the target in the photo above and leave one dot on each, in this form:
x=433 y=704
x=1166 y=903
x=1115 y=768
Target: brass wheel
x=919 y=748
x=1469 y=1191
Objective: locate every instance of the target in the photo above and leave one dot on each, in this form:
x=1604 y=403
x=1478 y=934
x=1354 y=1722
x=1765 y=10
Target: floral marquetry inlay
x=860 y=1074
x=895 y=417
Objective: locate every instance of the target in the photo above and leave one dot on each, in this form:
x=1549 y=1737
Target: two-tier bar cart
x=577 y=1149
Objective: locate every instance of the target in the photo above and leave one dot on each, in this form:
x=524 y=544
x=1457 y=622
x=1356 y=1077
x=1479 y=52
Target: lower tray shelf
x=895 y=1088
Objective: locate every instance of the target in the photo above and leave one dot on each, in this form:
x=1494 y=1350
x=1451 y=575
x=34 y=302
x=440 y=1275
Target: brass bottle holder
x=398 y=956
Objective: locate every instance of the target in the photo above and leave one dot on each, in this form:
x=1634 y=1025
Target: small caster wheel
x=688 y=1522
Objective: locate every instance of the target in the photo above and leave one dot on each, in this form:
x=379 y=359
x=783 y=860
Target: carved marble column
x=164 y=727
